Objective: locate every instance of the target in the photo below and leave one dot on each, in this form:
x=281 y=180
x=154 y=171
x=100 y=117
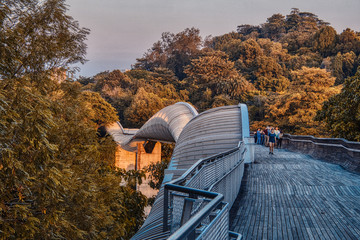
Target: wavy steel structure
x=209 y=133
x=165 y=126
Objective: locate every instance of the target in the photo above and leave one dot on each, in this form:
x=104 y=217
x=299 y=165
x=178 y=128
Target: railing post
x=166 y=209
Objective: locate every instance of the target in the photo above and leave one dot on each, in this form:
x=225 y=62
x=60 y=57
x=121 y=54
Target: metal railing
x=335 y=150
x=196 y=205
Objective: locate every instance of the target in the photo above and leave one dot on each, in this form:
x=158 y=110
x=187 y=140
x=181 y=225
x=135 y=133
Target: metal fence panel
x=219 y=174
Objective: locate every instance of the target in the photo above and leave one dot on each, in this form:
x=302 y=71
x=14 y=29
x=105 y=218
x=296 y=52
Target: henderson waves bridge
x=219 y=185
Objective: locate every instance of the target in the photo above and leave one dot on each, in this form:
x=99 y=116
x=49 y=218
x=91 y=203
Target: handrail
x=186 y=229
x=201 y=162
x=335 y=150
x=176 y=185
x=336 y=141
x=121 y=127
x=211 y=187
x=235 y=235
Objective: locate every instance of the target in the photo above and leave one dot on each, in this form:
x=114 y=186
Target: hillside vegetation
x=284 y=69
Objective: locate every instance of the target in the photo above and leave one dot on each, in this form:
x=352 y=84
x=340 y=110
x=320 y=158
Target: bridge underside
x=292 y=196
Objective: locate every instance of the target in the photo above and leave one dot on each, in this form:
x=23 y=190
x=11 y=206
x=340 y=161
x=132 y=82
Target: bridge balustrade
x=196 y=205
x=334 y=150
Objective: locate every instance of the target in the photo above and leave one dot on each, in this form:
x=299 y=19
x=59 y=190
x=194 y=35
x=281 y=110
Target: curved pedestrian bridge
x=219 y=185
x=293 y=196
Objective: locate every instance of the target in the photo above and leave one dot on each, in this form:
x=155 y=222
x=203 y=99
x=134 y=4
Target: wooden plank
x=292 y=196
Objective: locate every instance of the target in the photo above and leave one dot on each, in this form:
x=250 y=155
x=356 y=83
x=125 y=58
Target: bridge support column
x=250 y=148
x=249 y=141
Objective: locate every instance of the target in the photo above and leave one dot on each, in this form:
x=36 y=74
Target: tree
x=156 y=173
x=246 y=29
x=213 y=73
x=250 y=50
x=112 y=80
x=303 y=21
x=300 y=27
x=98 y=110
x=143 y=106
x=120 y=90
x=324 y=40
x=233 y=48
x=29 y=179
x=57 y=177
x=348 y=41
x=344 y=65
x=341 y=113
x=90 y=160
x=38 y=37
x=294 y=111
x=274 y=29
x=262 y=62
x=293 y=19
x=173 y=51
x=166 y=76
x=269 y=75
x=305 y=58
x=218 y=42
x=274 y=50
x=211 y=70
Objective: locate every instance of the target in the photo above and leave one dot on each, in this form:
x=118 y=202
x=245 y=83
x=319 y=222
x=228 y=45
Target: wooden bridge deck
x=292 y=196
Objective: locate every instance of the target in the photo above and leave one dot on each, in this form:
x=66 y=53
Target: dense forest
x=57 y=175
x=292 y=71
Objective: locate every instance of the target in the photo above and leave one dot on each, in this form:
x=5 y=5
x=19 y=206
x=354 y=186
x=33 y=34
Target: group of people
x=269 y=137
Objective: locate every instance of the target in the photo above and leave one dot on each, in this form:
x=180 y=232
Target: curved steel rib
x=165 y=126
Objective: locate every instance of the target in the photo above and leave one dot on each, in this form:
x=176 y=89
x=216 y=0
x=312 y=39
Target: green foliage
x=37 y=36
x=98 y=110
x=132 y=177
x=294 y=111
x=57 y=177
x=127 y=95
x=156 y=173
x=276 y=63
x=173 y=51
x=341 y=113
x=156 y=170
x=26 y=163
x=142 y=108
x=344 y=65
x=215 y=75
x=275 y=27
x=349 y=41
x=325 y=40
x=52 y=161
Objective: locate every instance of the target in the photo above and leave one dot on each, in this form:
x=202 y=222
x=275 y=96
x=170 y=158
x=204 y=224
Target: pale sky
x=123 y=30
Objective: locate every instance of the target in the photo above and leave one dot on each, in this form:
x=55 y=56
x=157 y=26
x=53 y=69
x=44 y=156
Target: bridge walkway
x=293 y=196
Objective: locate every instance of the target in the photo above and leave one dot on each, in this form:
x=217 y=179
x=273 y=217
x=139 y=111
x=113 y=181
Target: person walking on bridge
x=266 y=132
x=272 y=136
x=258 y=136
